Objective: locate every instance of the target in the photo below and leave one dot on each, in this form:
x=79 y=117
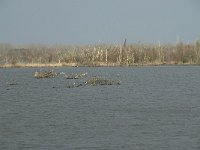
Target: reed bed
x=99 y=55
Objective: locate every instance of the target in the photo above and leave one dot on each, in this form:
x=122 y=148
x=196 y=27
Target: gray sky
x=94 y=21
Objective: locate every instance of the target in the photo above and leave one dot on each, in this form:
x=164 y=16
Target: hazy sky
x=94 y=21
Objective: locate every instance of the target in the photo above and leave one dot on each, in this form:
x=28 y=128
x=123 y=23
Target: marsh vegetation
x=82 y=79
x=99 y=55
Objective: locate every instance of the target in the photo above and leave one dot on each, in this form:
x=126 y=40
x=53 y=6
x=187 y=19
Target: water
x=153 y=108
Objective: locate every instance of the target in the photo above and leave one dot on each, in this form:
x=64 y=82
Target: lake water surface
x=153 y=108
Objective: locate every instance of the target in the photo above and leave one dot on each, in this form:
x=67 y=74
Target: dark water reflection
x=153 y=108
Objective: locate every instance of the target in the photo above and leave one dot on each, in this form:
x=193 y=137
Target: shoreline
x=38 y=65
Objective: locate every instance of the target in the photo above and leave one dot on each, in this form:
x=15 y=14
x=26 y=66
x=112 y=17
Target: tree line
x=101 y=54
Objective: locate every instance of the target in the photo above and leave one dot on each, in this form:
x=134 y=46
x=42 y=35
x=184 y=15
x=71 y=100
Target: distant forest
x=99 y=55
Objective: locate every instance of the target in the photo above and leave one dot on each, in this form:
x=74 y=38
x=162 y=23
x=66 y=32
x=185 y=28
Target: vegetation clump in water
x=46 y=74
x=101 y=81
x=95 y=82
x=75 y=76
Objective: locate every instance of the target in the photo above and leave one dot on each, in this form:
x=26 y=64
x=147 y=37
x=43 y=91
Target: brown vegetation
x=46 y=74
x=99 y=55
